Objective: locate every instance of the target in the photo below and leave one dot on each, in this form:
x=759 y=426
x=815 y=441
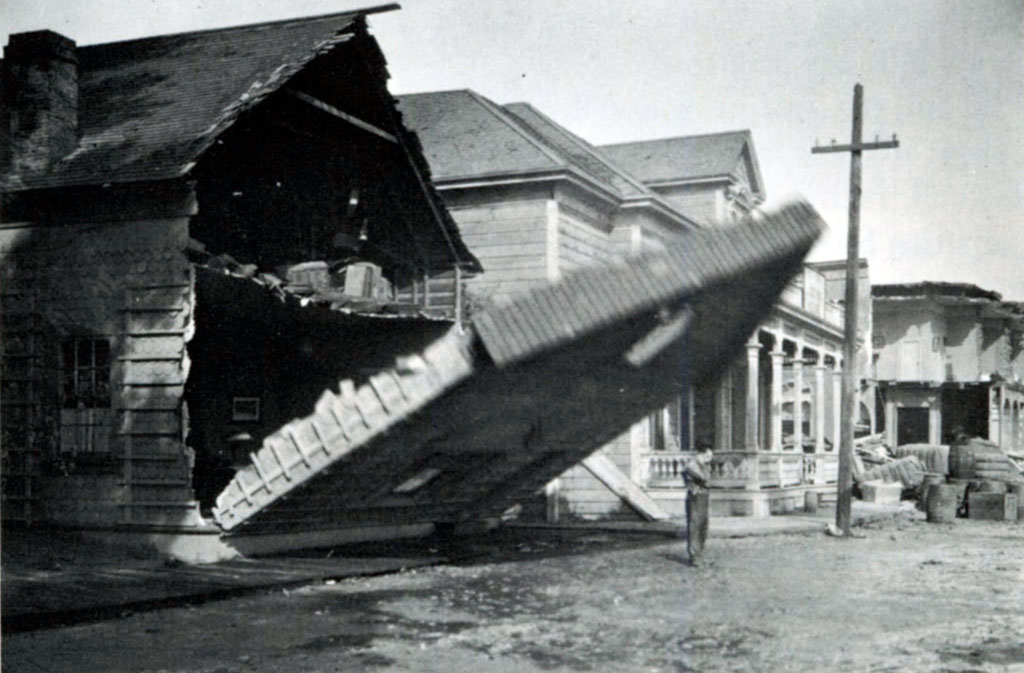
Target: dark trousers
x=696 y=523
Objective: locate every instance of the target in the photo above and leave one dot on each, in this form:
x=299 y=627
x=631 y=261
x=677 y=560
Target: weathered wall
x=963 y=346
x=995 y=349
x=639 y=232
x=507 y=231
x=584 y=233
x=910 y=342
x=1017 y=355
x=705 y=204
x=584 y=496
x=814 y=292
x=126 y=285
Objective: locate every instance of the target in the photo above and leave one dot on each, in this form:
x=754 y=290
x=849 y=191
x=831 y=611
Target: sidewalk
x=741 y=526
x=54 y=588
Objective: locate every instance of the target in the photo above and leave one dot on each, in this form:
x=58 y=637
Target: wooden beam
x=659 y=338
x=611 y=476
x=335 y=112
x=858 y=147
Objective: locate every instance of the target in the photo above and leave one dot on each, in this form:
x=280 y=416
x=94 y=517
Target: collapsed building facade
x=172 y=207
x=950 y=361
x=215 y=244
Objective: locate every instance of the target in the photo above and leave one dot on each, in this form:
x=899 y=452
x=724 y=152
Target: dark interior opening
x=258 y=362
x=911 y=425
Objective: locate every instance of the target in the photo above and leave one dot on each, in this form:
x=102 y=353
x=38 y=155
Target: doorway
x=911 y=425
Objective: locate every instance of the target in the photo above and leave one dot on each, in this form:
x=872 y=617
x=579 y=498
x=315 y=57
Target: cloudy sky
x=947 y=76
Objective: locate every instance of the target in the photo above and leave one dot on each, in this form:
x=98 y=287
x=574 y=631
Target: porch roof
x=482 y=419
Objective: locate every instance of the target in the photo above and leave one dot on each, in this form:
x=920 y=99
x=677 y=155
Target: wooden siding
x=698 y=203
x=583 y=496
x=509 y=239
x=129 y=284
x=580 y=243
x=621 y=240
x=434 y=290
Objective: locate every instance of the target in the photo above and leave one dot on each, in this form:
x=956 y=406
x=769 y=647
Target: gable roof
x=149 y=107
x=576 y=151
x=686 y=158
x=467 y=136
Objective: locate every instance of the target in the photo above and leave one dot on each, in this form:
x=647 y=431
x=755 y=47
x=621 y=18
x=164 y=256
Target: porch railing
x=736 y=469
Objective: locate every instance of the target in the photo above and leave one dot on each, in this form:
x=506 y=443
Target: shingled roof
x=467 y=136
x=149 y=107
x=685 y=158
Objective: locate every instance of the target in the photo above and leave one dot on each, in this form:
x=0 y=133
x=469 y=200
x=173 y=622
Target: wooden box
x=992 y=506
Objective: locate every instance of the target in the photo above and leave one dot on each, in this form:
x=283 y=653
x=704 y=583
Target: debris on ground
x=934 y=457
x=909 y=471
x=881 y=492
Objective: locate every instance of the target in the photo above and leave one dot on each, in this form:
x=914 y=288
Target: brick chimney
x=38 y=101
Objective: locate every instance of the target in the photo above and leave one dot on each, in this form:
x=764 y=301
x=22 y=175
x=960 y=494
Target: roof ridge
x=374 y=9
x=745 y=132
x=499 y=112
x=592 y=150
x=432 y=93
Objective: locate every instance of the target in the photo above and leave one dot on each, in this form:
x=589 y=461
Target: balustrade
x=734 y=469
x=665 y=468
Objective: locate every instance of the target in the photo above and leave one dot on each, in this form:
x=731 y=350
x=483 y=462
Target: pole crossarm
x=882 y=145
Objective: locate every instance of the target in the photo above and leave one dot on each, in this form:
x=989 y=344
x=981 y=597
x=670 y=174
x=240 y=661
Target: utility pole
x=850 y=381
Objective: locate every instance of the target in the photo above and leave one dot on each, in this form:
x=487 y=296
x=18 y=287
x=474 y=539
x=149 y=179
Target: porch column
x=819 y=406
x=1004 y=422
x=890 y=420
x=995 y=407
x=723 y=413
x=777 y=359
x=688 y=410
x=750 y=439
x=798 y=410
x=1017 y=426
x=935 y=422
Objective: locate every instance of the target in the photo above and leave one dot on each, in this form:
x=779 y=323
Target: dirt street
x=909 y=596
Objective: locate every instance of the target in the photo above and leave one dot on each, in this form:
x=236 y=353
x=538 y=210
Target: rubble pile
x=873 y=461
x=934 y=457
x=977 y=479
x=980 y=482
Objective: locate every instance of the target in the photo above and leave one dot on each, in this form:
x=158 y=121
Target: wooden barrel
x=977 y=458
x=941 y=503
x=929 y=479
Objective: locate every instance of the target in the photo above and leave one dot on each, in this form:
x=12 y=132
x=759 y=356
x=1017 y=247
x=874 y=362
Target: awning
x=483 y=418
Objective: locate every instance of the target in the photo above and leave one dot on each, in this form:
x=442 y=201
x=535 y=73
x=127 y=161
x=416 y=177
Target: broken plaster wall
x=105 y=308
